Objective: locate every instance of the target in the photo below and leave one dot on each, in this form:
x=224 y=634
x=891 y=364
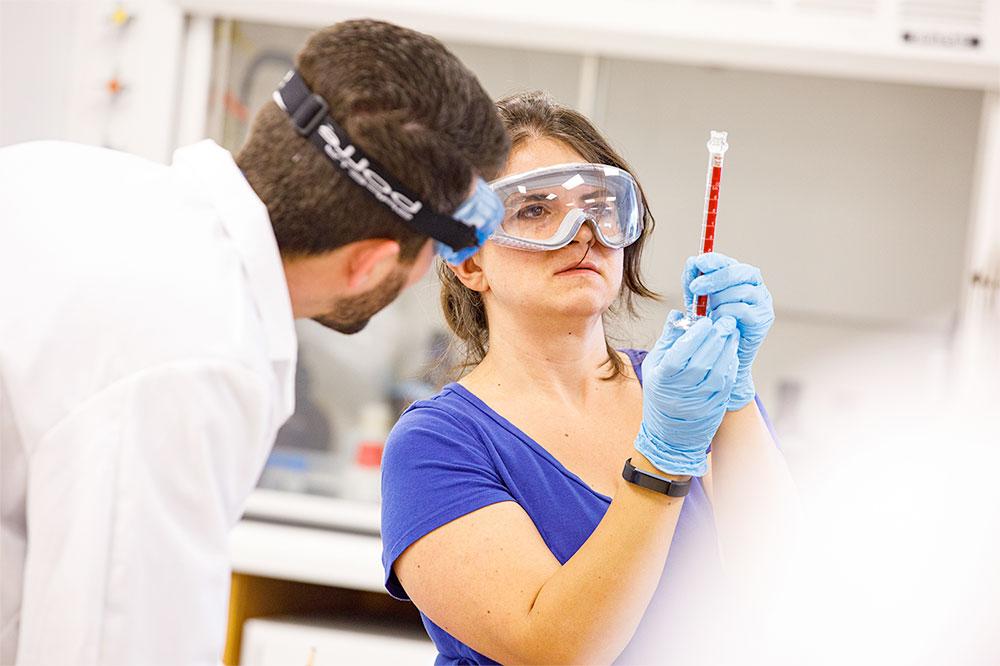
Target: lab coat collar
x=245 y=219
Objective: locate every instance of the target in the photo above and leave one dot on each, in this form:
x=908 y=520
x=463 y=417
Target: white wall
x=58 y=56
x=37 y=56
x=854 y=196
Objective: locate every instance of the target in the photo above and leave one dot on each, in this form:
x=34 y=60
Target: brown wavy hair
x=535 y=115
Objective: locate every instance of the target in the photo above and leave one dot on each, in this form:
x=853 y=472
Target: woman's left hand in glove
x=736 y=290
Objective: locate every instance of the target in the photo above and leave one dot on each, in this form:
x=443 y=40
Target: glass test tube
x=717 y=148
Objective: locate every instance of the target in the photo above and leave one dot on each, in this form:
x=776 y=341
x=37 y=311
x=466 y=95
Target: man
x=147 y=349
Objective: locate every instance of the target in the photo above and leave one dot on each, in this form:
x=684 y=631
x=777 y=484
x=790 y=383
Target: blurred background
x=863 y=177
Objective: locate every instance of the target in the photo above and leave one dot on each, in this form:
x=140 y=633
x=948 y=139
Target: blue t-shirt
x=451 y=455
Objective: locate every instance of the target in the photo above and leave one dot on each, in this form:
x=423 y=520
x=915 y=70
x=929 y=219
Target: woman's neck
x=562 y=357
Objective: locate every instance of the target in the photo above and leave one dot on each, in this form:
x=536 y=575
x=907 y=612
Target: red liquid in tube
x=717 y=148
x=708 y=230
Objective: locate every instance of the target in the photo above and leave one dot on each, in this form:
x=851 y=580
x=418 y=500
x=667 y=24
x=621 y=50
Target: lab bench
x=317 y=559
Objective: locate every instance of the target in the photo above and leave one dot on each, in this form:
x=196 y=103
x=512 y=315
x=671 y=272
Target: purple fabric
x=451 y=455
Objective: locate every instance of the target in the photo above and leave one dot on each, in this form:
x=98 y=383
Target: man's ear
x=470 y=273
x=368 y=262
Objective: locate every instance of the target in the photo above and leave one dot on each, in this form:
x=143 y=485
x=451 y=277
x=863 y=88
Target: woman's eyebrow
x=589 y=197
x=517 y=197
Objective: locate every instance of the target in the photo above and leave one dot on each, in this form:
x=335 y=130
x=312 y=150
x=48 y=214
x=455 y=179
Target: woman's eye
x=531 y=212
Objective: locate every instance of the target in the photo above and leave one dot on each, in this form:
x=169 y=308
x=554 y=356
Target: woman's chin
x=581 y=306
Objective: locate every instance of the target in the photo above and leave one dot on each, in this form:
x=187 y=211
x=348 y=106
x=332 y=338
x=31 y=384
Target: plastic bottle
x=363 y=476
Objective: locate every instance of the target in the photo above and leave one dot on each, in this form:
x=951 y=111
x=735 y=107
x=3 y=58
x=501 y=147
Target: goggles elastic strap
x=310 y=116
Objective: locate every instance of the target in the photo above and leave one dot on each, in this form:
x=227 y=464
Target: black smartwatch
x=654 y=482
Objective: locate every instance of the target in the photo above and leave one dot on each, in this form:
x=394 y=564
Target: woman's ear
x=470 y=273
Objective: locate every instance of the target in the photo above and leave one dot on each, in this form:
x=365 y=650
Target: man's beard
x=352 y=314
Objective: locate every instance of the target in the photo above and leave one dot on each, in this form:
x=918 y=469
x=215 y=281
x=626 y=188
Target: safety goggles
x=545 y=208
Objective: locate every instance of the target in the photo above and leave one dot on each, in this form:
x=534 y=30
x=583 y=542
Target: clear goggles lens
x=545 y=208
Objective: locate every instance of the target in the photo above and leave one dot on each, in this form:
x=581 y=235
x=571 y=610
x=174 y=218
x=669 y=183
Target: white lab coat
x=147 y=358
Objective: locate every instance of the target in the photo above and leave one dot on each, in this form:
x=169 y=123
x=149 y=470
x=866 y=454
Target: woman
x=506 y=517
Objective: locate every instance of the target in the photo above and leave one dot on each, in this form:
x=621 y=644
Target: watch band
x=655 y=483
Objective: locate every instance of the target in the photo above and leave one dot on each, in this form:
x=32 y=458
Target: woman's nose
x=585 y=234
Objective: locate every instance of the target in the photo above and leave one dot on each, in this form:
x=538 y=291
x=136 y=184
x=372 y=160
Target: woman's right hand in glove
x=686 y=381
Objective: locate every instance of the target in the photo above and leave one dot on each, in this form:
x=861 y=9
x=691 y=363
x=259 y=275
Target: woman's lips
x=583 y=267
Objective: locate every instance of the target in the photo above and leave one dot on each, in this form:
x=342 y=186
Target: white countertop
x=311 y=539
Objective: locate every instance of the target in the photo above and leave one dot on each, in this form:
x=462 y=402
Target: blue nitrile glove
x=734 y=290
x=686 y=381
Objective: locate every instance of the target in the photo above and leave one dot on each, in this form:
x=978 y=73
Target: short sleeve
x=435 y=469
x=767 y=421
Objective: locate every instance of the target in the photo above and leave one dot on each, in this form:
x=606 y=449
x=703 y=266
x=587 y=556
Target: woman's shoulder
x=443 y=422
x=448 y=405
